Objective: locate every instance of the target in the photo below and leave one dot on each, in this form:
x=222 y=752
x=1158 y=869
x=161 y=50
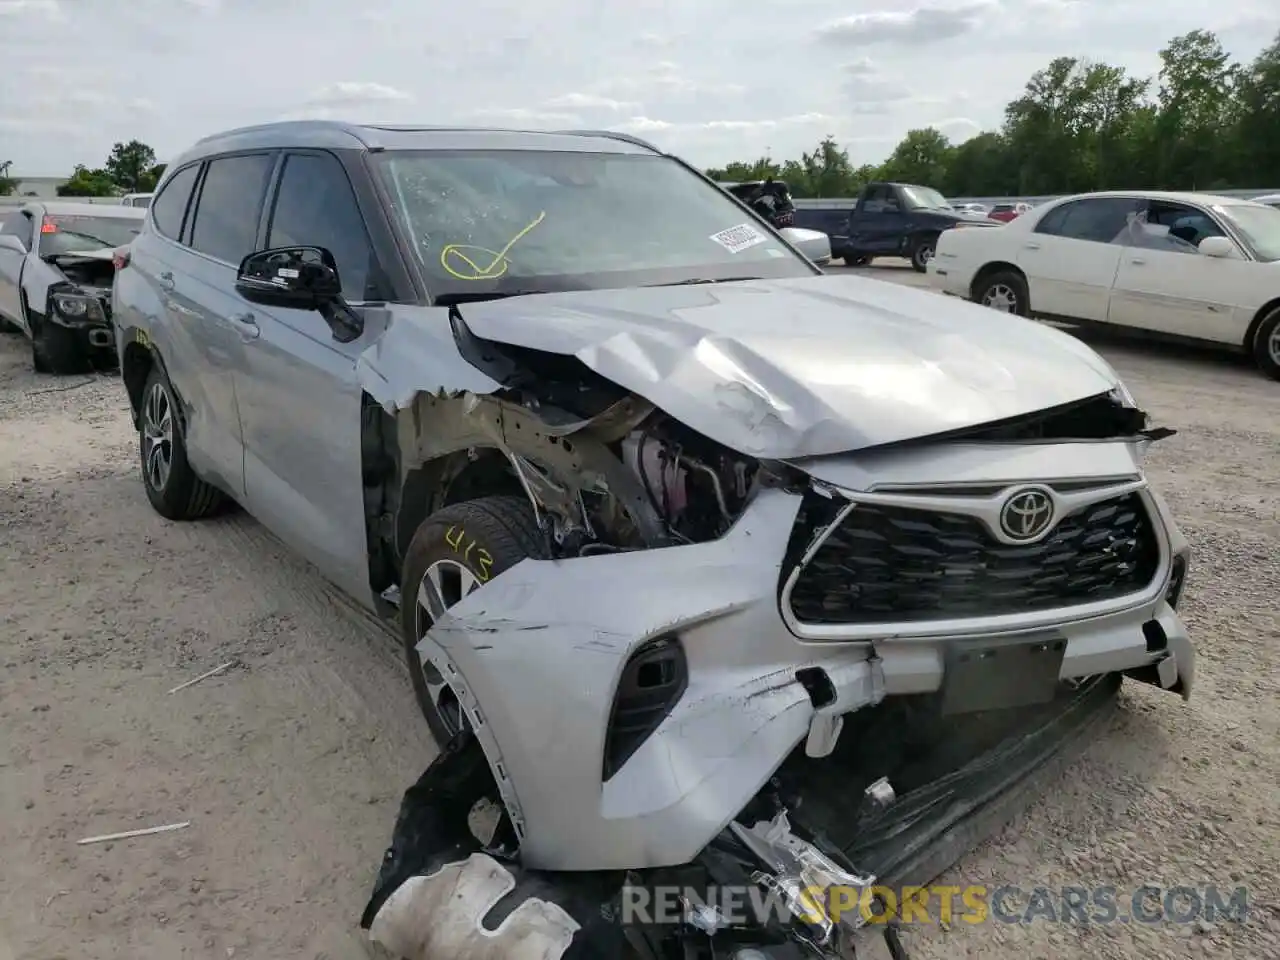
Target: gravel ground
x=289 y=767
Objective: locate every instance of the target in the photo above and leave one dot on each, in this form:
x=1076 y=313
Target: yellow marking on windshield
x=497 y=266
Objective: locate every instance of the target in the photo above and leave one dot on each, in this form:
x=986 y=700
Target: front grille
x=888 y=564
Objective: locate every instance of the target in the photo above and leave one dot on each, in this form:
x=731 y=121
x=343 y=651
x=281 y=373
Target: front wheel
x=57 y=350
x=1266 y=345
x=457 y=550
x=922 y=252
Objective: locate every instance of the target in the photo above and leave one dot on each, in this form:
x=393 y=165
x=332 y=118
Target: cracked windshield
x=507 y=221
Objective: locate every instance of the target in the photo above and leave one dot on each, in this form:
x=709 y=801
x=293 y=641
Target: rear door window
x=1097 y=219
x=170 y=207
x=230 y=206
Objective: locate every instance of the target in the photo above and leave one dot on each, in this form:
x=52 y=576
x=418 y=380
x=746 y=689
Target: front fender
x=37 y=278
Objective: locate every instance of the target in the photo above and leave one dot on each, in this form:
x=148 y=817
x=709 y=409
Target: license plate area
x=999 y=673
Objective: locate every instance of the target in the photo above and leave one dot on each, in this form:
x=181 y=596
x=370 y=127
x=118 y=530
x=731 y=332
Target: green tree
x=88 y=183
x=151 y=178
x=982 y=166
x=1196 y=107
x=923 y=156
x=1258 y=118
x=129 y=165
x=8 y=184
x=738 y=172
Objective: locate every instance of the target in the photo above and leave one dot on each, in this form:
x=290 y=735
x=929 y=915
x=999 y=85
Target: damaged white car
x=714 y=573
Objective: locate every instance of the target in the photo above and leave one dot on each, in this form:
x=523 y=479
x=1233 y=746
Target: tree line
x=129 y=168
x=1204 y=122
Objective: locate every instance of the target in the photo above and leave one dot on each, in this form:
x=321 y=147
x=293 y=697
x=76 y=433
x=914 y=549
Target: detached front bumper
x=537 y=657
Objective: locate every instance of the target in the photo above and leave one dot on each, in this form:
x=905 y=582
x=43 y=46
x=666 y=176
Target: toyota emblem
x=1026 y=515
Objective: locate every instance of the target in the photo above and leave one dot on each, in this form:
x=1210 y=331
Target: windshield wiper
x=695 y=280
x=453 y=299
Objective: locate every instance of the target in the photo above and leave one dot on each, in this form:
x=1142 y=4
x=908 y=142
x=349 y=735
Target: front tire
x=1005 y=291
x=57 y=350
x=455 y=551
x=172 y=486
x=1266 y=345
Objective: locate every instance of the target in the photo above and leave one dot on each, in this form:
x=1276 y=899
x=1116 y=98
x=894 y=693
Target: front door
x=1072 y=255
x=1165 y=284
x=300 y=400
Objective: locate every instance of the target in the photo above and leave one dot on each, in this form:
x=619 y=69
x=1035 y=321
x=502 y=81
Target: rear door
x=300 y=401
x=223 y=227
x=1072 y=254
x=1165 y=284
x=17 y=224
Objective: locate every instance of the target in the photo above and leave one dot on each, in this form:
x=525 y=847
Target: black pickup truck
x=890 y=220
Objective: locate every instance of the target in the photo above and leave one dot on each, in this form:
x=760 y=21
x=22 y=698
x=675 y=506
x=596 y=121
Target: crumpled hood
x=806 y=367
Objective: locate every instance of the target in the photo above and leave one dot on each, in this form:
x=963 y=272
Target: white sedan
x=1188 y=265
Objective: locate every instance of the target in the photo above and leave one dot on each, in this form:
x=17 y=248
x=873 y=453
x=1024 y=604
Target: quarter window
x=226 y=215
x=170 y=208
x=1100 y=219
x=316 y=207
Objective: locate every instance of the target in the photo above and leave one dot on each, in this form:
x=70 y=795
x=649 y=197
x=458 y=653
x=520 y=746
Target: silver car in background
x=678 y=531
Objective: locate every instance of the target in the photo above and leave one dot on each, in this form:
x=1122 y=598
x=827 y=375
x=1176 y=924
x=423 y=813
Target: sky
x=711 y=80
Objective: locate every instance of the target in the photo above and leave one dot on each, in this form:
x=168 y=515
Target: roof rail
x=611 y=135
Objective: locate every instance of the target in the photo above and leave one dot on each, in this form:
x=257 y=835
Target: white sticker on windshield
x=739 y=238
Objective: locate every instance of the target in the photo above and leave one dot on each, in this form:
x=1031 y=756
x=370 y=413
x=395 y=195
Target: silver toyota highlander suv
x=710 y=569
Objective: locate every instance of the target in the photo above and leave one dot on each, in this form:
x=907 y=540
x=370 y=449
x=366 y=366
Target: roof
x=1173 y=196
x=60 y=208
x=337 y=135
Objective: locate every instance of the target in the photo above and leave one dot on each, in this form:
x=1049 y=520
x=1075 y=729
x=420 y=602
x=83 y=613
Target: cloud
x=49 y=10
x=958 y=129
x=922 y=25
x=707 y=80
x=348 y=93
x=524 y=117
x=591 y=101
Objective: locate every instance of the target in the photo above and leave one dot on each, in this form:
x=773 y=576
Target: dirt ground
x=290 y=766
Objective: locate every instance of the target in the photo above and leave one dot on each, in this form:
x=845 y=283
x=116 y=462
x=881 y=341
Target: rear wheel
x=1005 y=291
x=172 y=486
x=456 y=551
x=1266 y=345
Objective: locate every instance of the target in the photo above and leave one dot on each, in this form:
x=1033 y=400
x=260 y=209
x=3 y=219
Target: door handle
x=1137 y=261
x=166 y=280
x=247 y=324
x=1031 y=246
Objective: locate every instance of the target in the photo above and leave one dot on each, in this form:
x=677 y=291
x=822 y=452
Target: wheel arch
x=994 y=267
x=136 y=364
x=1251 y=335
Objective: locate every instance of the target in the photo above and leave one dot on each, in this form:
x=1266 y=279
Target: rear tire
x=922 y=252
x=456 y=550
x=1005 y=291
x=1266 y=345
x=57 y=350
x=172 y=486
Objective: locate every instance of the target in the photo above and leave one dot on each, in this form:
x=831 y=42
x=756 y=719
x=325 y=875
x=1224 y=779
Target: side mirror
x=1220 y=247
x=299 y=278
x=11 y=243
x=296 y=278
x=814 y=244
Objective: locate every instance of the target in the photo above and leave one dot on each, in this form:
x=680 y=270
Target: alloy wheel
x=1002 y=297
x=444 y=584
x=157 y=437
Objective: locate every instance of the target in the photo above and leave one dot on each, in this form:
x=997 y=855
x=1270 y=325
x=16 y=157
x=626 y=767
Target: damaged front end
x=82 y=301
x=807 y=674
